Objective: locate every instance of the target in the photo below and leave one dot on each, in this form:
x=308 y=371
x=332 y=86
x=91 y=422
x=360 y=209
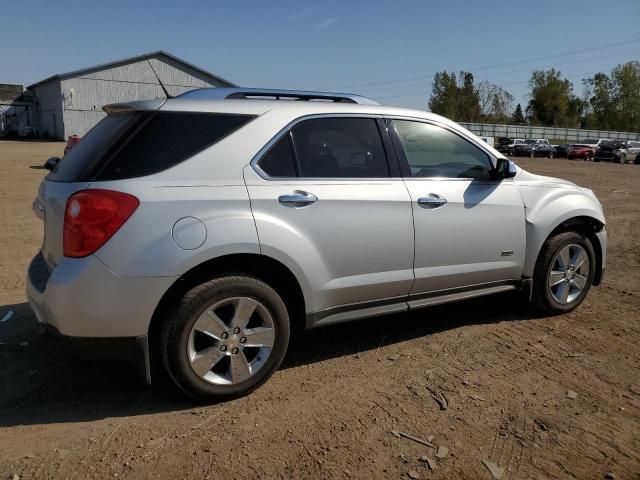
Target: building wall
x=47 y=114
x=85 y=95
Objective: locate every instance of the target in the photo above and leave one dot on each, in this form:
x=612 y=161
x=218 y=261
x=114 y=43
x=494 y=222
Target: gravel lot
x=330 y=411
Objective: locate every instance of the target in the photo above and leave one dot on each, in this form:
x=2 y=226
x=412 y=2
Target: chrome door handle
x=432 y=201
x=298 y=199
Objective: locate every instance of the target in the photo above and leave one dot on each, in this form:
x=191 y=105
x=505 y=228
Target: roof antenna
x=166 y=94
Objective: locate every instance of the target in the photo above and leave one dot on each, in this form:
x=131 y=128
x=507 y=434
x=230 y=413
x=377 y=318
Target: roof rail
x=266 y=93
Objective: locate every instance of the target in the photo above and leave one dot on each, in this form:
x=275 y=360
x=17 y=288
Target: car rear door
x=329 y=204
x=469 y=228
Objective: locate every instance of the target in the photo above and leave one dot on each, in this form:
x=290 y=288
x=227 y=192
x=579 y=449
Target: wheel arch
x=588 y=226
x=267 y=269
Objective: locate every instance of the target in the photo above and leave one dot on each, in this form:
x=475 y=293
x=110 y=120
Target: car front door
x=329 y=204
x=469 y=228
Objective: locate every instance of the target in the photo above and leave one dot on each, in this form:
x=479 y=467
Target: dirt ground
x=331 y=409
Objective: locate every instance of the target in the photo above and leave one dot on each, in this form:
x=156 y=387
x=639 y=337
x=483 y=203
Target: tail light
x=91 y=217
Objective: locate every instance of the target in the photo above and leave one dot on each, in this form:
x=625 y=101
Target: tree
x=468 y=99
x=551 y=96
x=453 y=98
x=601 y=100
x=615 y=99
x=626 y=95
x=518 y=117
x=444 y=92
x=495 y=102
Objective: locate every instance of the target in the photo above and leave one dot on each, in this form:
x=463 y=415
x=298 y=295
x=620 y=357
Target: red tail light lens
x=92 y=217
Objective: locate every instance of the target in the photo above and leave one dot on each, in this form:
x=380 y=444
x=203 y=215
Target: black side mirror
x=505 y=169
x=51 y=163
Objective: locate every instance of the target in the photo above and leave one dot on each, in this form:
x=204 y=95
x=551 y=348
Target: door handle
x=432 y=201
x=298 y=199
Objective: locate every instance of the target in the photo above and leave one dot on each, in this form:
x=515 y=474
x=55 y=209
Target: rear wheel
x=564 y=273
x=225 y=337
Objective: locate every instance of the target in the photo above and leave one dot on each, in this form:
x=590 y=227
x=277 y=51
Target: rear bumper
x=101 y=313
x=81 y=297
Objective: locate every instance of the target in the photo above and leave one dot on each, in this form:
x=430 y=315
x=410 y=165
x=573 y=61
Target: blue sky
x=387 y=50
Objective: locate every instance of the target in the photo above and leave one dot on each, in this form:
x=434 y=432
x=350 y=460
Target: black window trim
x=390 y=153
x=404 y=164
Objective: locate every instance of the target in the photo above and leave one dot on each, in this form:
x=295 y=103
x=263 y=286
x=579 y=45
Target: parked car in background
x=502 y=144
x=207 y=280
x=633 y=151
x=523 y=149
x=611 y=151
x=580 y=152
x=562 y=150
x=593 y=142
x=526 y=149
x=511 y=148
x=543 y=150
x=72 y=141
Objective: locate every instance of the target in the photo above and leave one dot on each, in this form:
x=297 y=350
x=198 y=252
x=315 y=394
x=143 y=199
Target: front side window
x=433 y=151
x=339 y=148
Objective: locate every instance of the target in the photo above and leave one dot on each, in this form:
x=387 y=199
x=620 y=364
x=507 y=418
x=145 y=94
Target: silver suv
x=195 y=233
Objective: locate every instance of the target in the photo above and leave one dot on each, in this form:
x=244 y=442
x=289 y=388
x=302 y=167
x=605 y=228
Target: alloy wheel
x=569 y=274
x=231 y=340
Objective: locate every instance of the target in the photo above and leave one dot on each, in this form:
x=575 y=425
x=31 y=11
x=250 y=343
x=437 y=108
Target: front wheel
x=225 y=337
x=564 y=273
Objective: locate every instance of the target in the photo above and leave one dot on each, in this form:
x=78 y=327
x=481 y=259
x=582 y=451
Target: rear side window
x=137 y=144
x=86 y=155
x=340 y=148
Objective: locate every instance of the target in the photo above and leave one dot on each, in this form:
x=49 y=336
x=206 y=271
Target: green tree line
x=609 y=101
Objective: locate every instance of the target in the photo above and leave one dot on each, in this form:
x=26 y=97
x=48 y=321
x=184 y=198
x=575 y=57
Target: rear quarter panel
x=145 y=246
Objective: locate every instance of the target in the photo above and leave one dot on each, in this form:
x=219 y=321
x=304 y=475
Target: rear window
x=143 y=143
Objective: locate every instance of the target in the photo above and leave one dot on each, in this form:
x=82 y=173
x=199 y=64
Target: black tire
x=542 y=297
x=180 y=320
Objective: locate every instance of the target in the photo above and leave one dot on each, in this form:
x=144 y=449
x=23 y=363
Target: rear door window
x=340 y=148
x=138 y=144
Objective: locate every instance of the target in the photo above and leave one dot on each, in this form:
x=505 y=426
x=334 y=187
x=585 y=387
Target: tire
x=550 y=270
x=231 y=375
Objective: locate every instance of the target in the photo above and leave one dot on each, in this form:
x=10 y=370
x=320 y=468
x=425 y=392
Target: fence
x=574 y=135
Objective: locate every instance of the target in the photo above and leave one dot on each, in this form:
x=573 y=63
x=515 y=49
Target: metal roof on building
x=156 y=54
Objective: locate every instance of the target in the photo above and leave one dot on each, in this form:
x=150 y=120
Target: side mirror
x=51 y=163
x=505 y=169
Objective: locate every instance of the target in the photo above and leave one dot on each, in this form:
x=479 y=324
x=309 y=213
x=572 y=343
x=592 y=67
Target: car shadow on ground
x=43 y=382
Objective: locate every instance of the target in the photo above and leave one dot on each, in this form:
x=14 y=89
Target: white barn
x=71 y=103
